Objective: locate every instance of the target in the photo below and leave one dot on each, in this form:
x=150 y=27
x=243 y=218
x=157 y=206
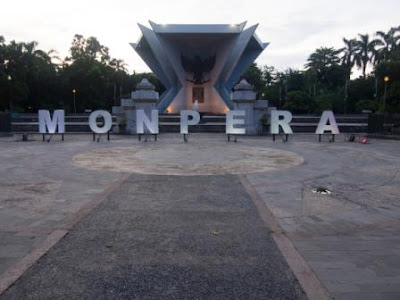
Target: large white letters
x=235 y=121
x=276 y=121
x=185 y=122
x=323 y=126
x=45 y=121
x=107 y=121
x=231 y=121
x=142 y=119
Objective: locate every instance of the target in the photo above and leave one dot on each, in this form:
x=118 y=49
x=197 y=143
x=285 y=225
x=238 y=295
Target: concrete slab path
x=347 y=242
x=165 y=237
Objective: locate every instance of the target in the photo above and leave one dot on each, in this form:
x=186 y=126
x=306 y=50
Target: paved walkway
x=159 y=237
x=349 y=240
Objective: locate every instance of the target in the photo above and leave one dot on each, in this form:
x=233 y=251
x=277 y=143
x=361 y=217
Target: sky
x=294 y=29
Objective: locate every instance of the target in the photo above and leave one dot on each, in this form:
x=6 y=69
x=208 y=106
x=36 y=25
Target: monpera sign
x=280 y=119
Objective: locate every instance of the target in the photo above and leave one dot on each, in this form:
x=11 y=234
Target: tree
x=97 y=78
x=254 y=75
x=3 y=75
x=366 y=104
x=391 y=68
x=366 y=52
x=88 y=48
x=118 y=65
x=327 y=101
x=38 y=80
x=268 y=73
x=323 y=66
x=362 y=88
x=299 y=102
x=349 y=57
x=323 y=58
x=389 y=41
x=29 y=73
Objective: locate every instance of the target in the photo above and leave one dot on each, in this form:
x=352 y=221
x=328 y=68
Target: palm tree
x=30 y=53
x=55 y=58
x=366 y=52
x=118 y=65
x=321 y=61
x=389 y=42
x=323 y=58
x=349 y=58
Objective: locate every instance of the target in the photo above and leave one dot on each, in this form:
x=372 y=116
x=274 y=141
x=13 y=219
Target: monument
x=198 y=63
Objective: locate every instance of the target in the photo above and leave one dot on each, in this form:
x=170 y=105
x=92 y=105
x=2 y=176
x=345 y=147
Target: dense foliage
x=31 y=78
x=326 y=84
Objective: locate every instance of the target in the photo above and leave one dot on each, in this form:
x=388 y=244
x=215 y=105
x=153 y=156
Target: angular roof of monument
x=197 y=28
x=159 y=48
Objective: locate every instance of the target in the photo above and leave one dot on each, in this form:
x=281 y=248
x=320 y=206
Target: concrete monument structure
x=198 y=62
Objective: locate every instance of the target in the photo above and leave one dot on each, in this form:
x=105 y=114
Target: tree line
x=325 y=82
x=89 y=78
x=31 y=79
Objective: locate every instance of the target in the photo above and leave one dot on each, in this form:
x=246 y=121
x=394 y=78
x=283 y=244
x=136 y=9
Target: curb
x=312 y=286
x=18 y=269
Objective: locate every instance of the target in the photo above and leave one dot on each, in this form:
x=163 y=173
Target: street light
x=9 y=78
x=74 y=92
x=386 y=80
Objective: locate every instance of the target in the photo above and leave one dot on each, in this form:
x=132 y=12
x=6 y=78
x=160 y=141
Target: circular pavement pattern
x=188 y=159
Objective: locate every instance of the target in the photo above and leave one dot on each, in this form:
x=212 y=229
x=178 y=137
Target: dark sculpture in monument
x=198 y=67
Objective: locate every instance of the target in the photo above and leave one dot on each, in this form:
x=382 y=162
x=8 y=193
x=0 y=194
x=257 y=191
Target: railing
x=380 y=124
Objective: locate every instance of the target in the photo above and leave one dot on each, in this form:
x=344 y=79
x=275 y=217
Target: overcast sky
x=293 y=28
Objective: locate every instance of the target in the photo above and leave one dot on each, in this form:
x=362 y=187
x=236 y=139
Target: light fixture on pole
x=74 y=92
x=9 y=78
x=386 y=80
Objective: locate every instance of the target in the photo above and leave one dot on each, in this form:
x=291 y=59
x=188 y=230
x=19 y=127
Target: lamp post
x=74 y=92
x=346 y=84
x=386 y=80
x=9 y=78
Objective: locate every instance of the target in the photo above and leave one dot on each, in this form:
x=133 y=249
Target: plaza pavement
x=218 y=231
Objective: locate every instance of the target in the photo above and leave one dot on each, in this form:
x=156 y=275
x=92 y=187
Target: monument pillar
x=244 y=98
x=145 y=97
